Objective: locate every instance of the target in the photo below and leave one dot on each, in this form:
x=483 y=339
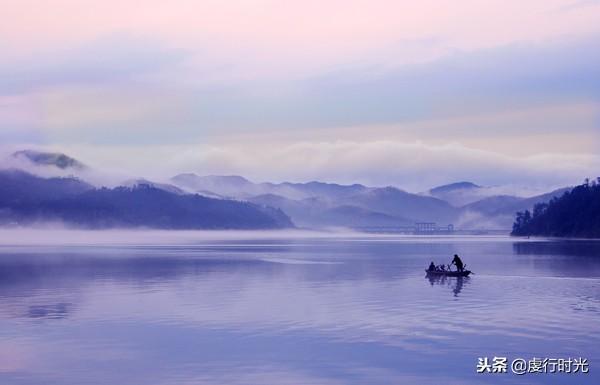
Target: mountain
x=576 y=213
x=318 y=204
x=497 y=205
x=303 y=212
x=320 y=212
x=18 y=187
x=313 y=204
x=352 y=216
x=486 y=207
x=145 y=182
x=509 y=205
x=530 y=202
x=227 y=185
x=396 y=202
x=241 y=188
x=54 y=159
x=461 y=193
x=27 y=199
x=328 y=190
x=501 y=209
x=458 y=186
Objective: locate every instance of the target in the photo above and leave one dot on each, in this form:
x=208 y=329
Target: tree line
x=575 y=214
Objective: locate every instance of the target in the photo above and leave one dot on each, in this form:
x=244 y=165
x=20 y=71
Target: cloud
x=111 y=59
x=266 y=36
x=126 y=98
x=462 y=84
x=414 y=166
x=381 y=92
x=577 y=4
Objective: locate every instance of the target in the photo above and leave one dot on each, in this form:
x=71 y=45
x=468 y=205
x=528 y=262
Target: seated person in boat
x=431 y=267
x=458 y=262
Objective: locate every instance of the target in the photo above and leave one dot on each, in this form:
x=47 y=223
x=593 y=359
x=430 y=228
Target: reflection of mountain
x=585 y=251
x=582 y=260
x=49 y=285
x=25 y=199
x=52 y=311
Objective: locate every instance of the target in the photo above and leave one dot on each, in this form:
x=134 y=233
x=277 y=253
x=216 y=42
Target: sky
x=403 y=93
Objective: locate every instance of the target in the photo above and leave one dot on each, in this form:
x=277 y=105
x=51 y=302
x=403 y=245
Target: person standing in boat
x=458 y=262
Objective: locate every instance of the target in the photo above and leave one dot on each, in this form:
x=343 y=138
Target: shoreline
x=16 y=237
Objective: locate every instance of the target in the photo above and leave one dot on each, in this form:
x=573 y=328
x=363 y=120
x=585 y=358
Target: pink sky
x=131 y=76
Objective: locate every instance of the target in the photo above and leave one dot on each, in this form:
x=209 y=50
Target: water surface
x=297 y=310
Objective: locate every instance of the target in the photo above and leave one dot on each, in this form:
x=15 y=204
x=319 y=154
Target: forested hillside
x=575 y=214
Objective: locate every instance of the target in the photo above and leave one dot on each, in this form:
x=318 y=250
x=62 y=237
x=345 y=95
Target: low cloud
x=414 y=166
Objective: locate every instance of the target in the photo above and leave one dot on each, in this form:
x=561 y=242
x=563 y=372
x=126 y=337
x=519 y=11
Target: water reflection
x=569 y=258
x=573 y=248
x=454 y=283
x=311 y=312
x=52 y=311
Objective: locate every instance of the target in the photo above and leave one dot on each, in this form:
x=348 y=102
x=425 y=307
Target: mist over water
x=160 y=307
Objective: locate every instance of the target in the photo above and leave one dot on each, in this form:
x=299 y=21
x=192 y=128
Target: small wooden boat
x=448 y=273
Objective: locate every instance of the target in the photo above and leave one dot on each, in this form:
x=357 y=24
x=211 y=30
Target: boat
x=448 y=273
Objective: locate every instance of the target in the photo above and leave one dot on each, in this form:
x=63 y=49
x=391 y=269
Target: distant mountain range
x=453 y=187
x=460 y=193
x=318 y=204
x=134 y=183
x=26 y=199
x=240 y=187
x=193 y=201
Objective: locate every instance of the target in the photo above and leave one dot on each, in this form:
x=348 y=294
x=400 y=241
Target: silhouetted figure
x=431 y=267
x=458 y=262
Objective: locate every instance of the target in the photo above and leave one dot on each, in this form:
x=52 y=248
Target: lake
x=291 y=308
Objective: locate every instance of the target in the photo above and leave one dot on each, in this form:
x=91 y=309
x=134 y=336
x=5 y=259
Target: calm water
x=266 y=310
